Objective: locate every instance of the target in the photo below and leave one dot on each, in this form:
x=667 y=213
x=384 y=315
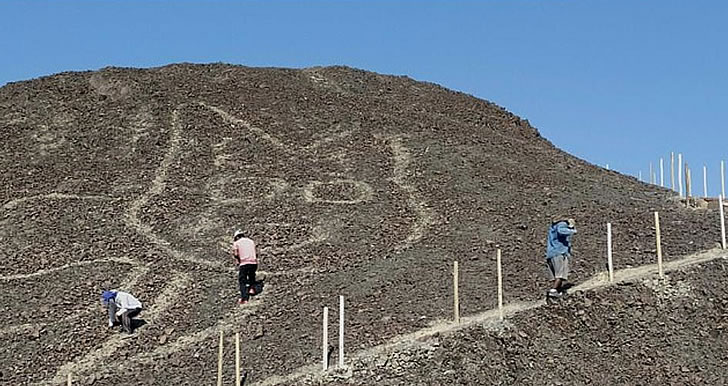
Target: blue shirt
x=558 y=241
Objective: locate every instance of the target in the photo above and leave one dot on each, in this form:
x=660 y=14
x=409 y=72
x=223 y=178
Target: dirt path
x=314 y=373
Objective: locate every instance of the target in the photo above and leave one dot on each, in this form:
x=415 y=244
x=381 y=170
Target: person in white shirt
x=122 y=308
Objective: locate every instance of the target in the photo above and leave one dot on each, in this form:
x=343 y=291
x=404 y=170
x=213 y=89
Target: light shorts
x=558 y=267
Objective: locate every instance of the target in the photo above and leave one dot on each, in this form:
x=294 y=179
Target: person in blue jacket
x=558 y=253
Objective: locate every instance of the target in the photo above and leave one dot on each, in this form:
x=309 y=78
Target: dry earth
x=353 y=184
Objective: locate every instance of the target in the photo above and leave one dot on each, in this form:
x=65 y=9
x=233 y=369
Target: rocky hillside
x=352 y=183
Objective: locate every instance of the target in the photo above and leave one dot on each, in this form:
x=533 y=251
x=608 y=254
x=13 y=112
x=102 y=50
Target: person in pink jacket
x=246 y=258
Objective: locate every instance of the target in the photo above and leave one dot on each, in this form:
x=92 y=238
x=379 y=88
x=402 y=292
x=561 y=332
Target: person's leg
x=251 y=278
x=554 y=265
x=126 y=322
x=557 y=284
x=241 y=283
x=563 y=273
x=127 y=319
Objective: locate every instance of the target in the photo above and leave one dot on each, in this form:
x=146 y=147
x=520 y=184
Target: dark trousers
x=126 y=319
x=246 y=278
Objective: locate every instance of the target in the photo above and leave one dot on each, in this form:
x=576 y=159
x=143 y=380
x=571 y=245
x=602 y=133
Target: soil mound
x=352 y=183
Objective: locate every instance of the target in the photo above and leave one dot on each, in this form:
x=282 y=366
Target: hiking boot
x=242 y=301
x=554 y=293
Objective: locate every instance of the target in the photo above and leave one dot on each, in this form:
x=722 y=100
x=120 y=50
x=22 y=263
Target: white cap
x=238 y=233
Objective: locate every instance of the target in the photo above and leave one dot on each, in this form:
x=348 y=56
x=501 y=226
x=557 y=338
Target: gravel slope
x=352 y=183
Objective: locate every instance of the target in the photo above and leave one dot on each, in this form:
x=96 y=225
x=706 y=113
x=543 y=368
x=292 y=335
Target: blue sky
x=617 y=82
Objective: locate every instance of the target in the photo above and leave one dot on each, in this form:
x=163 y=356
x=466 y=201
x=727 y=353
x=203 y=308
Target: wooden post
x=705 y=181
x=672 y=171
x=219 y=362
x=607 y=166
x=722 y=220
x=679 y=174
x=722 y=178
x=639 y=174
x=456 y=299
x=326 y=339
x=662 y=174
x=688 y=182
x=341 y=331
x=237 y=359
x=652 y=181
x=659 y=246
x=498 y=263
x=70 y=382
x=610 y=265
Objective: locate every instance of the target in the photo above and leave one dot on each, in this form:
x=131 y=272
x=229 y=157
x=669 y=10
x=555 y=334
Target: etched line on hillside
x=319 y=79
x=64 y=267
x=332 y=138
x=425 y=216
x=364 y=192
x=313 y=371
x=131 y=280
x=229 y=118
x=158 y=185
x=277 y=187
x=318 y=235
x=159 y=181
x=54 y=196
x=233 y=320
x=237 y=121
x=110 y=346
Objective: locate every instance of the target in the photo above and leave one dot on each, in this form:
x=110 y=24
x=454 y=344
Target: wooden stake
x=705 y=181
x=659 y=246
x=70 y=382
x=688 y=182
x=662 y=174
x=639 y=175
x=672 y=171
x=341 y=331
x=722 y=220
x=722 y=178
x=326 y=339
x=219 y=362
x=652 y=181
x=610 y=266
x=456 y=299
x=679 y=174
x=500 y=283
x=237 y=359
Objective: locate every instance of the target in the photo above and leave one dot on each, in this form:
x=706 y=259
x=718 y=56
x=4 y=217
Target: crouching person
x=122 y=307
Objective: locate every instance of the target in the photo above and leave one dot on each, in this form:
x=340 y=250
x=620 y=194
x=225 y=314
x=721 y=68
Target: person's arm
x=235 y=254
x=112 y=312
x=564 y=229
